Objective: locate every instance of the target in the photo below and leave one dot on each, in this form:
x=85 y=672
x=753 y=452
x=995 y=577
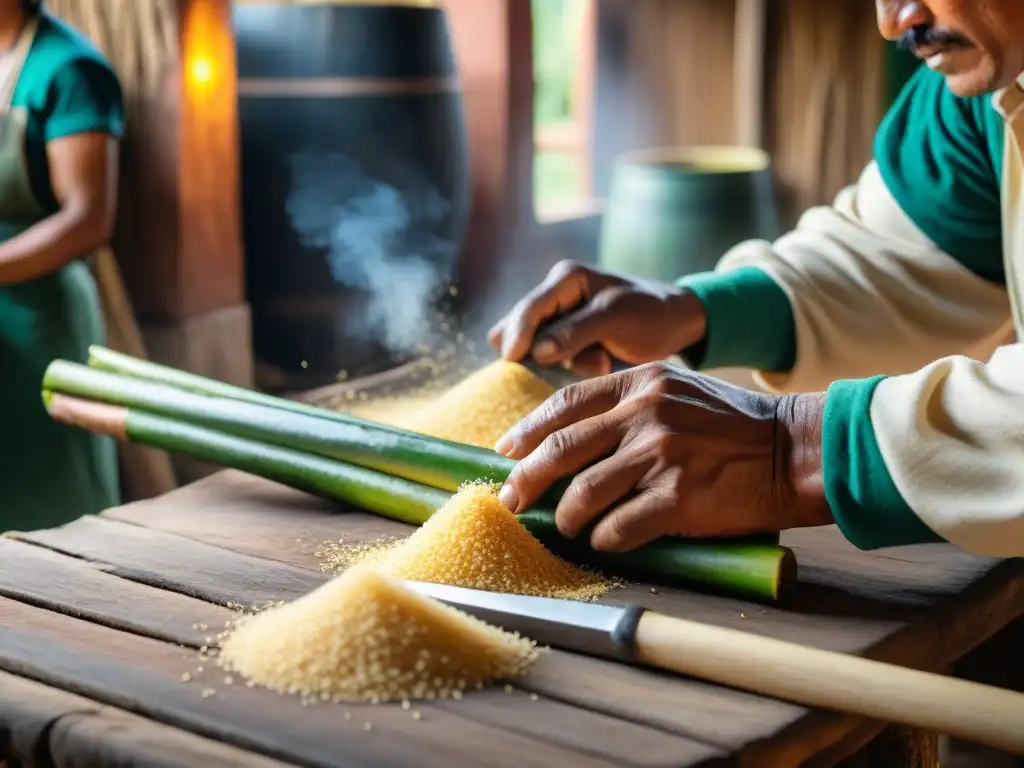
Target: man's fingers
x=591 y=362
x=561 y=453
x=567 y=406
x=564 y=288
x=597 y=488
x=644 y=518
x=570 y=335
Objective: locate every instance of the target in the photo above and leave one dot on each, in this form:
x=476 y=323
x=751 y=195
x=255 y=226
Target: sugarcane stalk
x=104 y=359
x=752 y=570
x=438 y=463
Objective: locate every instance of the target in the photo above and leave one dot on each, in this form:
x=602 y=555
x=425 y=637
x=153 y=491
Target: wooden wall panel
x=666 y=75
x=825 y=81
x=682 y=63
x=492 y=40
x=178 y=238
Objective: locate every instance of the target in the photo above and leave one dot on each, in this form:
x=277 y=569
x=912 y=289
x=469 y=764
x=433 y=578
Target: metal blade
x=558 y=376
x=555 y=375
x=598 y=630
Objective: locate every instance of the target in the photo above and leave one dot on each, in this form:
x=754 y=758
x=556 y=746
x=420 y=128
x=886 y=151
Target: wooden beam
x=494 y=49
x=585 y=87
x=749 y=67
x=178 y=236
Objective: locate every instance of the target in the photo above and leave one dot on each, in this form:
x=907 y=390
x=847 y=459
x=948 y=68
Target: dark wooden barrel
x=355 y=181
x=672 y=212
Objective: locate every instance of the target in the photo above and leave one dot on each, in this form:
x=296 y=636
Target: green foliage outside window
x=556 y=56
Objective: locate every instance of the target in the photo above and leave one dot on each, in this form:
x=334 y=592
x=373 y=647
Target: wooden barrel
x=355 y=180
x=672 y=212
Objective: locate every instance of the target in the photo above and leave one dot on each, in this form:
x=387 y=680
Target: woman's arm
x=83 y=174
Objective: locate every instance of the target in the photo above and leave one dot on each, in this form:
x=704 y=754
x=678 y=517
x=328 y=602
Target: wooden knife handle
x=983 y=714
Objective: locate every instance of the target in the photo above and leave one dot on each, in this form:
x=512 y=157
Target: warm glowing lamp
x=201 y=70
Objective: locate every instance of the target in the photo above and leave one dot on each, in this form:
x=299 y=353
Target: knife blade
x=608 y=631
x=556 y=375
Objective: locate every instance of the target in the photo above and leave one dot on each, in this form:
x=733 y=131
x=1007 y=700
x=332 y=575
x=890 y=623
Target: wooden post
x=179 y=231
x=749 y=51
x=178 y=237
x=493 y=47
x=900 y=747
x=180 y=244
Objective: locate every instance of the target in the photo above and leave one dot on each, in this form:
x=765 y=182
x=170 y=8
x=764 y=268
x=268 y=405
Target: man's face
x=977 y=44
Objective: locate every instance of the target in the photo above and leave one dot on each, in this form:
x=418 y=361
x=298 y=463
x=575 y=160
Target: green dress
x=50 y=474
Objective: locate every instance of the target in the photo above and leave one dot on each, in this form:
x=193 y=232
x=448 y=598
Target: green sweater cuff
x=865 y=503
x=749 y=321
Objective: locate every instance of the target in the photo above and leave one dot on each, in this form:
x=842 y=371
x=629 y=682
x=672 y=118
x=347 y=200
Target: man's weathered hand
x=584 y=318
x=658 y=451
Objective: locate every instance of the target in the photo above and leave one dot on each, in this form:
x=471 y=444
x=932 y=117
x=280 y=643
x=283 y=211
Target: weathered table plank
x=545 y=720
x=186 y=566
x=41 y=577
x=735 y=721
x=917 y=606
x=44 y=726
x=846 y=600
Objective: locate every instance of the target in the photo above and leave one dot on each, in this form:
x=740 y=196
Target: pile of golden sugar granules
x=363 y=637
x=473 y=541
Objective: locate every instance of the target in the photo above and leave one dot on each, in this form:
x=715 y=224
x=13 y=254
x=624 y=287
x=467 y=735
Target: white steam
x=380 y=239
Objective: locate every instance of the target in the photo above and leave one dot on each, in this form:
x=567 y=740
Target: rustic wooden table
x=100 y=619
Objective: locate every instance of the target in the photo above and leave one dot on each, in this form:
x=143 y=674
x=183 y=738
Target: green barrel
x=355 y=180
x=673 y=212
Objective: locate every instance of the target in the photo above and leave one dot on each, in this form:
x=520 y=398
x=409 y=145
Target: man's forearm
x=864 y=501
x=835 y=473
x=749 y=321
x=854 y=291
x=935 y=455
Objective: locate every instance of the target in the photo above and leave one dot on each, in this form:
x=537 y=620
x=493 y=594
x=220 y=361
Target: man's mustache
x=931 y=37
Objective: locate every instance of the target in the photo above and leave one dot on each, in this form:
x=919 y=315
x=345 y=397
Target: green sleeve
x=864 y=501
x=749 y=321
x=84 y=96
x=941 y=158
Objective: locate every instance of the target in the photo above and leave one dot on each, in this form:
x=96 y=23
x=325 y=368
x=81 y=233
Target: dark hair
x=31 y=6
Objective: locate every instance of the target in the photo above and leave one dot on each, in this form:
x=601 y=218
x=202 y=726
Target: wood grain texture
x=825 y=85
x=668 y=74
x=145 y=472
x=81 y=589
x=631 y=694
x=921 y=607
x=493 y=47
x=144 y=676
x=44 y=726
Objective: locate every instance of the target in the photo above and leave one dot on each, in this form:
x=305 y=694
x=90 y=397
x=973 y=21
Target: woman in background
x=61 y=119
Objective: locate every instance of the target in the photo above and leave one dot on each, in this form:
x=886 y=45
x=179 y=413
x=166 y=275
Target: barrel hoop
x=330 y=87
